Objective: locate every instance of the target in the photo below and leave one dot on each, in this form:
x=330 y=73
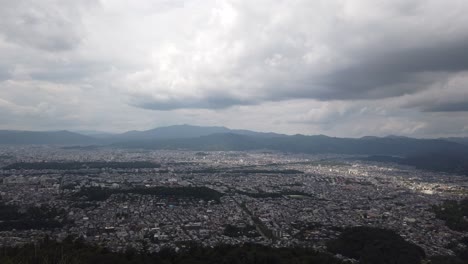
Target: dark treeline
x=456 y=163
x=372 y=245
x=72 y=251
x=376 y=246
x=235 y=231
x=454 y=214
x=11 y=217
x=80 y=165
x=460 y=248
x=273 y=194
x=366 y=244
x=203 y=193
x=247 y=171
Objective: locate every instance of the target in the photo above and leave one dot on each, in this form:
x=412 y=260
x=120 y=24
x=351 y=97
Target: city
x=154 y=199
x=234 y=132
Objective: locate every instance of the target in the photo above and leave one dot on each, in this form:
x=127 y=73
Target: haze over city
x=340 y=68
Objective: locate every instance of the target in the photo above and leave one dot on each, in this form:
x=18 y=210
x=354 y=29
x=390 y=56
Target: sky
x=345 y=68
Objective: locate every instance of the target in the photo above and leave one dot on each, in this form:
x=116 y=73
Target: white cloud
x=335 y=67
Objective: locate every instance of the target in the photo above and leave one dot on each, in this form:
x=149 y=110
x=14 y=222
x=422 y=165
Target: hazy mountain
x=460 y=140
x=222 y=138
x=94 y=133
x=185 y=131
x=256 y=134
x=96 y=137
x=450 y=155
x=49 y=137
x=399 y=146
x=221 y=141
x=177 y=131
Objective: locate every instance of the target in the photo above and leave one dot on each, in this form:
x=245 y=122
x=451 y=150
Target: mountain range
x=222 y=138
x=16 y=137
x=185 y=131
x=451 y=153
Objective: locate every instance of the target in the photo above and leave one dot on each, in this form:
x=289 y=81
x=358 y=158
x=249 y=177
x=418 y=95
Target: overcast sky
x=334 y=67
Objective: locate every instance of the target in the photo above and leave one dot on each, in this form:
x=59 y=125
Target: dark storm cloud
x=360 y=50
x=452 y=107
x=388 y=73
x=215 y=102
x=449 y=94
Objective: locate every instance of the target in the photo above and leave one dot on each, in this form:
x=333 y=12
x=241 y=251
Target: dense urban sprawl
x=171 y=198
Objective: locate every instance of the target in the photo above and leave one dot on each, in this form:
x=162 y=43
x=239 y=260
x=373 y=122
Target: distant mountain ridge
x=17 y=137
x=222 y=138
x=448 y=155
x=186 y=131
x=319 y=144
x=460 y=140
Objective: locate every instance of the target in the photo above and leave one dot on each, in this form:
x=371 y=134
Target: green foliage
x=74 y=251
x=376 y=246
x=453 y=213
x=273 y=194
x=9 y=212
x=460 y=248
x=235 y=231
x=446 y=260
x=33 y=218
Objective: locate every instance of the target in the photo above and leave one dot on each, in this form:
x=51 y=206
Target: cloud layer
x=347 y=68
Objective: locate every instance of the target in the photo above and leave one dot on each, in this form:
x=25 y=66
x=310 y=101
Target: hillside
x=14 y=137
